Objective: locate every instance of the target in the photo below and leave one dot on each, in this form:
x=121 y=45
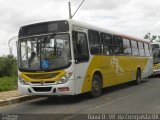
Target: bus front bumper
x=58 y=89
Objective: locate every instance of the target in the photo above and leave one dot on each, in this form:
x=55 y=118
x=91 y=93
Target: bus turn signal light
x=61 y=89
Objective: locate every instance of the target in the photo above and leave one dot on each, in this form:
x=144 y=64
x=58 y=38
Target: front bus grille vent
x=42 y=76
x=45 y=82
x=42 y=89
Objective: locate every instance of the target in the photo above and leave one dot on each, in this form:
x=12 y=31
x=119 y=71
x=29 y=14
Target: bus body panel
x=116 y=70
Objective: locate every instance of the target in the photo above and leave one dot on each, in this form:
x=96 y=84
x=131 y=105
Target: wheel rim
x=95 y=86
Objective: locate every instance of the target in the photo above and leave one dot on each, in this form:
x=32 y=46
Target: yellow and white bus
x=156 y=57
x=68 y=57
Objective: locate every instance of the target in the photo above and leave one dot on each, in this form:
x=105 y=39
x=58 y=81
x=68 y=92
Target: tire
x=138 y=77
x=96 y=88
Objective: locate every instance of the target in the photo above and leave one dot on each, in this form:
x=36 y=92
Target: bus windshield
x=155 y=46
x=156 y=56
x=44 y=52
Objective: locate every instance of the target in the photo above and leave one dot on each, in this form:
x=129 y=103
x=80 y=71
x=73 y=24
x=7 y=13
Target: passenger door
x=81 y=56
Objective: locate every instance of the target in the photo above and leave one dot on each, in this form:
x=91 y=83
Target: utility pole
x=70 y=14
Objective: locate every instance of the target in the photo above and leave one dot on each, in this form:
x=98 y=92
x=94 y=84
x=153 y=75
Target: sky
x=131 y=17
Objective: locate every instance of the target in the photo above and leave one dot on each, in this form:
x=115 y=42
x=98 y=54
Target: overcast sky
x=132 y=17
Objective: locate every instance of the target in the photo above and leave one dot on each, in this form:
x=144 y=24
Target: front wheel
x=96 y=89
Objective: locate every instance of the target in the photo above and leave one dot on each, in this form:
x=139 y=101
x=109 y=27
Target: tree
x=8 y=66
x=147 y=36
x=151 y=37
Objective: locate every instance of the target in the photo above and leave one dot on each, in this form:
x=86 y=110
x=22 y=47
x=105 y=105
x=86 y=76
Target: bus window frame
x=94 y=49
x=120 y=45
x=134 y=47
x=127 y=39
x=84 y=58
x=108 y=44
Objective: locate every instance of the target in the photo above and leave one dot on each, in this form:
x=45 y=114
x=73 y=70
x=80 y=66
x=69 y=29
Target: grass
x=8 y=83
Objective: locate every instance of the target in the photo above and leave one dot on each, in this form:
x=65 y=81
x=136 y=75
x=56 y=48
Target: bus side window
x=141 y=49
x=135 y=50
x=94 y=42
x=106 y=44
x=147 y=49
x=117 y=45
x=127 y=47
x=80 y=46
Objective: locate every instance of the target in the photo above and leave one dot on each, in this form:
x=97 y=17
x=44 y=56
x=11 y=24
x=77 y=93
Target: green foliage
x=147 y=36
x=8 y=83
x=151 y=37
x=8 y=66
x=8 y=73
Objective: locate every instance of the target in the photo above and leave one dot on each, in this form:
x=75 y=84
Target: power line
x=70 y=15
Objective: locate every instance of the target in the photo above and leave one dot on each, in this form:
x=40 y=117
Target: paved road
x=126 y=98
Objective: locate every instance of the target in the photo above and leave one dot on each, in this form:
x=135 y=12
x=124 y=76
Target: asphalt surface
x=126 y=98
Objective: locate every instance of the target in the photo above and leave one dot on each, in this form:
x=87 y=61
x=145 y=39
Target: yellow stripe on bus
x=114 y=69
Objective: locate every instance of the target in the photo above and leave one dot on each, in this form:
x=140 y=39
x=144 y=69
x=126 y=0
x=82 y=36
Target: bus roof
x=93 y=27
x=89 y=26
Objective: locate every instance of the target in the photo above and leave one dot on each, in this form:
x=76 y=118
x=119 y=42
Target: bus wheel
x=138 y=77
x=96 y=89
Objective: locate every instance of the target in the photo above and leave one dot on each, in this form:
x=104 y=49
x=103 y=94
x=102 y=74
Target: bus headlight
x=65 y=78
x=23 y=81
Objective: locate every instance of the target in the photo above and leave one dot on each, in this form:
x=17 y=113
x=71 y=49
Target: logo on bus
x=115 y=61
x=42 y=82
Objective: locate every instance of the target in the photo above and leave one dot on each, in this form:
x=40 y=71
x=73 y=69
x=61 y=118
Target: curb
x=16 y=100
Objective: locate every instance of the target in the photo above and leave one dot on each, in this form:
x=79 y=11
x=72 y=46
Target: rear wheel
x=138 y=77
x=96 y=89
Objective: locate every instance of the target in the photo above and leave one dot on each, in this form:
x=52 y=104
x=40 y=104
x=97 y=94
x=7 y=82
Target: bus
x=156 y=57
x=155 y=45
x=68 y=57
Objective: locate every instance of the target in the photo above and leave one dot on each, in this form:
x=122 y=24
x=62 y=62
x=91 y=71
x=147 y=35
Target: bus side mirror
x=76 y=61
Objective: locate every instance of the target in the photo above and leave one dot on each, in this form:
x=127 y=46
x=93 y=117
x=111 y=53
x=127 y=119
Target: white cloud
x=134 y=17
x=100 y=4
x=17 y=13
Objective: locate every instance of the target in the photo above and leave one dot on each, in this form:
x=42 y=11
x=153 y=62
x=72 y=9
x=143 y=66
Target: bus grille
x=45 y=82
x=42 y=89
x=42 y=76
